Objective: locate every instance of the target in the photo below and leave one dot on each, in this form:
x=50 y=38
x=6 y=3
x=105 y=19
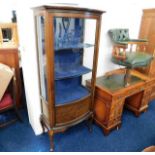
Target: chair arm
x=120 y=45
x=138 y=41
x=132 y=41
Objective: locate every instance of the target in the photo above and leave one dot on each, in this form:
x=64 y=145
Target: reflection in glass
x=42 y=57
x=68 y=32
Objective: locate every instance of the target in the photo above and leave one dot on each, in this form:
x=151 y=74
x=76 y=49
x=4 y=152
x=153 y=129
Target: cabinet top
x=67 y=8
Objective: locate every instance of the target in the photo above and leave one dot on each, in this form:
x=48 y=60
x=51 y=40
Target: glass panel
x=72 y=60
x=69 y=33
x=88 y=55
x=42 y=56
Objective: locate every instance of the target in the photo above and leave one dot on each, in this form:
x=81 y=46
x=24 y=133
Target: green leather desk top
x=114 y=83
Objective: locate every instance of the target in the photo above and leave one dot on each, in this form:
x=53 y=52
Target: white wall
x=120 y=13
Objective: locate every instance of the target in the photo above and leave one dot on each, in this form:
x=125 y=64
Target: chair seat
x=134 y=59
x=6 y=101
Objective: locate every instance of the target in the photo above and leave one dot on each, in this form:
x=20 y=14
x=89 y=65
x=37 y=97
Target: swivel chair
x=130 y=53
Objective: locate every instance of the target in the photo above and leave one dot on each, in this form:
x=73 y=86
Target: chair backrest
x=6 y=74
x=118 y=35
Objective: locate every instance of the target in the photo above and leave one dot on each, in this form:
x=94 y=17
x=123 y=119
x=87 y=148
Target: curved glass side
x=42 y=57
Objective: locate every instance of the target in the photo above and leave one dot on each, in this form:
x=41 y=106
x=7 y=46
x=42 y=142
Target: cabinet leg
x=51 y=136
x=90 y=124
x=18 y=114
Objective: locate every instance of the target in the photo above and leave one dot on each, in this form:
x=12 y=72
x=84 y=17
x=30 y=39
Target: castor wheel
x=51 y=149
x=118 y=127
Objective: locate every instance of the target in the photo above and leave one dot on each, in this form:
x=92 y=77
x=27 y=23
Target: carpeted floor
x=134 y=135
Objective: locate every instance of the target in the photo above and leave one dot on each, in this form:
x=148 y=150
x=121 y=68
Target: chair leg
x=13 y=120
x=18 y=114
x=8 y=123
x=127 y=78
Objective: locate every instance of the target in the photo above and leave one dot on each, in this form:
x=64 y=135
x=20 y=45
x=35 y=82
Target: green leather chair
x=130 y=53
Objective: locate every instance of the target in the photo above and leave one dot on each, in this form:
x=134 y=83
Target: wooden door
x=147 y=31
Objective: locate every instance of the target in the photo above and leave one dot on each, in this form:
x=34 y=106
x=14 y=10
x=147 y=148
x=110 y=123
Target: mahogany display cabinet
x=67 y=44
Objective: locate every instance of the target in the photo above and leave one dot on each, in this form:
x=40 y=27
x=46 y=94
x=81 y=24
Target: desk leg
x=115 y=115
x=106 y=132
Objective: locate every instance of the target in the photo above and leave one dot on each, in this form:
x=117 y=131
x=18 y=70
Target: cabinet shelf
x=62 y=74
x=65 y=96
x=73 y=46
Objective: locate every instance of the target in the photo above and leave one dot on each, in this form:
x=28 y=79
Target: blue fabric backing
x=69 y=62
x=69 y=90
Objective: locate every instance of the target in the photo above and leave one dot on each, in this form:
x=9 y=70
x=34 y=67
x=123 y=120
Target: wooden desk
x=111 y=95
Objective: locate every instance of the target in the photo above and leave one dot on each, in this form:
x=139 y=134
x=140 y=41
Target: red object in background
x=6 y=101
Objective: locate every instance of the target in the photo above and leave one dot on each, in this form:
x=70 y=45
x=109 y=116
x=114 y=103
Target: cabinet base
x=58 y=129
